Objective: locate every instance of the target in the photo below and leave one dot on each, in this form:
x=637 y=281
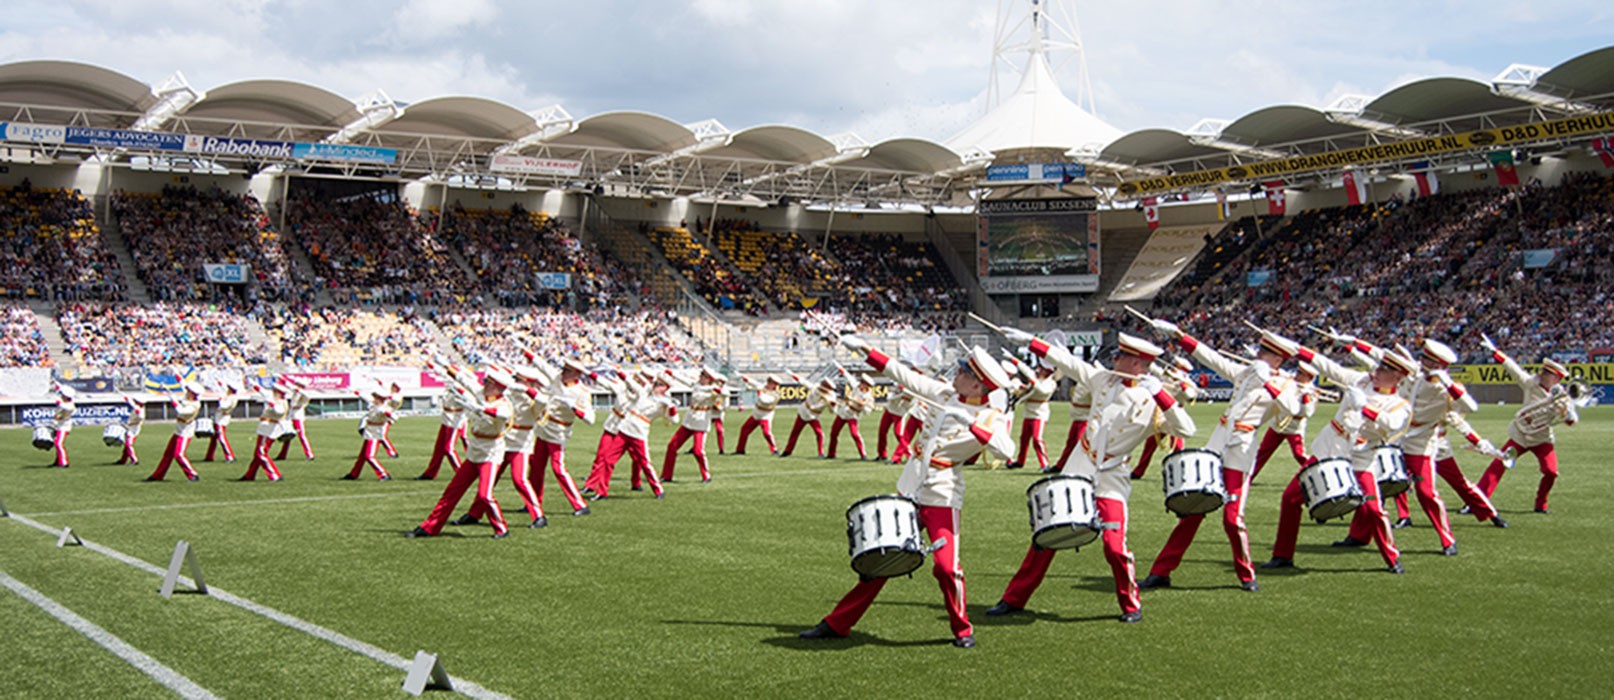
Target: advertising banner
x=99 y=414
x=527 y=165
x=344 y=153
x=219 y=273
x=34 y=133
x=323 y=381
x=555 y=280
x=1539 y=257
x=123 y=138
x=246 y=148
x=1592 y=373
x=1037 y=172
x=1046 y=284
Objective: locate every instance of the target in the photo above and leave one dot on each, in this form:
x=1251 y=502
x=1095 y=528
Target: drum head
x=1337 y=507
x=1035 y=484
x=43 y=439
x=881 y=497
x=1188 y=503
x=887 y=562
x=1065 y=536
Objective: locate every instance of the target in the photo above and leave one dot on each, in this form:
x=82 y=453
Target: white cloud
x=430 y=20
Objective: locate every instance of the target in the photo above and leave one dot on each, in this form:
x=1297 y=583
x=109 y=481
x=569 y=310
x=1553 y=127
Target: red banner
x=322 y=381
x=430 y=381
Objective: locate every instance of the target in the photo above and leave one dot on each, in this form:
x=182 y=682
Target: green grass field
x=702 y=594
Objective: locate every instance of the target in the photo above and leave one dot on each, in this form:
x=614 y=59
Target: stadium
x=271 y=264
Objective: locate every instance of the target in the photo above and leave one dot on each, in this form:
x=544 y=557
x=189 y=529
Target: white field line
x=461 y=686
x=168 y=677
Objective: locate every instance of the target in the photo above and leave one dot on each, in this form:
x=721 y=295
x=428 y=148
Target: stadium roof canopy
x=647 y=154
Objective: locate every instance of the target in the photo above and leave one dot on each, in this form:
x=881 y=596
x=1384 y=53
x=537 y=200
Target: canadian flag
x=1428 y=184
x=1277 y=201
x=1604 y=148
x=1151 y=212
x=1355 y=188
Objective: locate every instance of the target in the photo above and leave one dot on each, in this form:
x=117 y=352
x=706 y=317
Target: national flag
x=1277 y=200
x=1221 y=205
x=1355 y=188
x=1428 y=184
x=1151 y=212
x=1604 y=148
x=1502 y=162
x=169 y=380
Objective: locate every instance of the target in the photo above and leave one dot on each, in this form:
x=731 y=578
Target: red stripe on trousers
x=1182 y=536
x=938 y=523
x=484 y=474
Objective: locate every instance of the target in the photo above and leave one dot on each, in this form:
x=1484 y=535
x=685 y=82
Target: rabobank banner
x=248 y=148
x=345 y=153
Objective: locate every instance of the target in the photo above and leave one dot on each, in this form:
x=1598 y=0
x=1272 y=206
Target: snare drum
x=44 y=438
x=1193 y=482
x=1063 y=515
x=204 y=427
x=114 y=435
x=1330 y=488
x=882 y=536
x=1390 y=471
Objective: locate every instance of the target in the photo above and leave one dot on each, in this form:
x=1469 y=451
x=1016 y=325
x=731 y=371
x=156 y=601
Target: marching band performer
x=186 y=409
x=567 y=402
x=965 y=423
x=624 y=389
x=858 y=400
x=896 y=408
x=646 y=407
x=1371 y=413
x=1290 y=429
x=131 y=427
x=275 y=408
x=762 y=414
x=1040 y=385
x=527 y=403
x=719 y=408
x=452 y=427
x=1125 y=401
x=64 y=423
x=395 y=402
x=1545 y=403
x=1081 y=408
x=807 y=412
x=221 y=424
x=373 y=429
x=693 y=424
x=299 y=412
x=484 y=448
x=1175 y=377
x=1257 y=387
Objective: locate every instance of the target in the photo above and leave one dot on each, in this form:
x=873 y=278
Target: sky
x=877 y=68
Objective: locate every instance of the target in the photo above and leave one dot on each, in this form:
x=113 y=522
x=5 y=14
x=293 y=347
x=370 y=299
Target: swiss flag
x=1604 y=150
x=1277 y=201
x=1151 y=212
x=1355 y=189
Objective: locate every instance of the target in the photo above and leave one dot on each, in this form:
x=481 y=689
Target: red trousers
x=1421 y=468
x=599 y=478
x=1232 y=523
x=484 y=475
x=1545 y=455
x=1031 y=435
x=1035 y=566
x=260 y=458
x=367 y=458
x=386 y=440
x=717 y=427
x=1293 y=505
x=129 y=456
x=1269 y=445
x=795 y=432
x=553 y=455
x=888 y=422
x=1149 y=446
x=59 y=439
x=904 y=450
x=443 y=451
x=681 y=436
x=1072 y=439
x=751 y=424
x=175 y=452
x=938 y=523
x=1478 y=503
x=519 y=465
x=220 y=438
x=835 y=436
x=302 y=437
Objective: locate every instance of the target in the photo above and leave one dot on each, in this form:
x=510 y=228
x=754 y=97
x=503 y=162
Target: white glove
x=1571 y=416
x=1166 y=328
x=854 y=343
x=1015 y=335
x=1485 y=341
x=1442 y=378
x=1150 y=384
x=1340 y=338
x=1486 y=447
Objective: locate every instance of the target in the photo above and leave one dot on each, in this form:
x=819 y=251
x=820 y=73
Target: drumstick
x=985 y=322
x=1252 y=326
x=1140 y=316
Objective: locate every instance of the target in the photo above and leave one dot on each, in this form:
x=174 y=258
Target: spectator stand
x=172 y=234
x=51 y=248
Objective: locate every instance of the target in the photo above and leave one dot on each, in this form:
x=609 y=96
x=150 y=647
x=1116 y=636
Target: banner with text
x=344 y=153
x=1036 y=172
x=1591 y=373
x=1586 y=125
x=1030 y=246
x=226 y=273
x=527 y=165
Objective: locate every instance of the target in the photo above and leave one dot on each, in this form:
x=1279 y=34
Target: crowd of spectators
x=1449 y=266
x=51 y=247
x=719 y=283
x=599 y=336
x=174 y=334
x=781 y=266
x=884 y=273
x=509 y=249
x=22 y=344
x=172 y=234
x=373 y=250
x=319 y=338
